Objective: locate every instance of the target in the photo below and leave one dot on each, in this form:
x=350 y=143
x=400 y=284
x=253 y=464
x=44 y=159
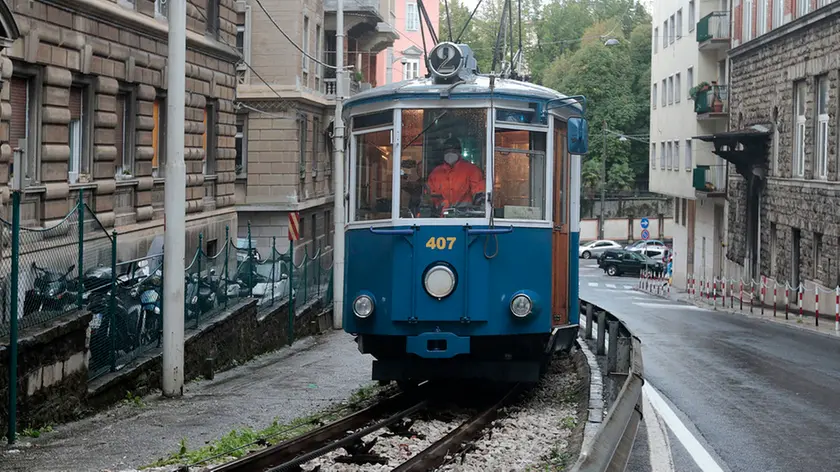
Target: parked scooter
x=199 y=295
x=49 y=292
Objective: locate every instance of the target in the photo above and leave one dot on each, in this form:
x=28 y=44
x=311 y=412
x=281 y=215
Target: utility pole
x=174 y=210
x=338 y=251
x=603 y=185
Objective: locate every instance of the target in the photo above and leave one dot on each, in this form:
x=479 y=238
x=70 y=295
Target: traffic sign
x=645 y=234
x=294 y=226
x=645 y=223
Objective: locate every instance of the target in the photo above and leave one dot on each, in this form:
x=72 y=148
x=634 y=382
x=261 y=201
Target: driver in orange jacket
x=456 y=180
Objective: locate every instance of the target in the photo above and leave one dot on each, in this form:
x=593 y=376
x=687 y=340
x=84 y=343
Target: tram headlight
x=439 y=281
x=521 y=305
x=363 y=306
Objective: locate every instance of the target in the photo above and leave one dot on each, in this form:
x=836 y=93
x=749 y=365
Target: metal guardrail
x=611 y=446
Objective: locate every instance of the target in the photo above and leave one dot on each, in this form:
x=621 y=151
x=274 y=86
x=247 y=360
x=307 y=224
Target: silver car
x=595 y=248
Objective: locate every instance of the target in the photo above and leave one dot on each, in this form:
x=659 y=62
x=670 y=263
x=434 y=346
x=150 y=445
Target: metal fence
x=72 y=264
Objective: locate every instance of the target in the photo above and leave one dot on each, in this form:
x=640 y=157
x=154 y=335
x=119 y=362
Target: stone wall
x=52 y=372
x=763 y=73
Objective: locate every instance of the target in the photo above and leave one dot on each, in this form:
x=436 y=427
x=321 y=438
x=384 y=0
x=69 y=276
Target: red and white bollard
x=775 y=298
x=731 y=294
x=816 y=305
x=741 y=296
x=752 y=295
x=837 y=309
x=801 y=290
x=763 y=293
x=714 y=288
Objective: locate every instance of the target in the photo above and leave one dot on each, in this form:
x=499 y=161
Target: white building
x=690 y=43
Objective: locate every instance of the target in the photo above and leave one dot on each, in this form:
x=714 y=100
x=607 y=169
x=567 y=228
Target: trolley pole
x=174 y=210
x=338 y=251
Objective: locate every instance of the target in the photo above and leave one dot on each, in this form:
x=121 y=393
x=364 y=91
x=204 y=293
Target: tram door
x=560 y=234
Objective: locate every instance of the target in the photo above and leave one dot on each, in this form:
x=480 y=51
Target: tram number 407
x=440 y=243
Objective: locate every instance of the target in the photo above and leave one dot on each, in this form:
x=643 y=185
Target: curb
x=595 y=408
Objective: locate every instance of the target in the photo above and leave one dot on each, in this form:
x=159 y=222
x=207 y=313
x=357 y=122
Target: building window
x=162 y=8
x=773 y=243
x=316 y=130
x=314 y=230
x=655 y=40
x=676 y=161
x=672 y=32
x=125 y=134
x=77 y=133
x=25 y=123
x=817 y=255
x=761 y=23
x=653 y=155
x=240 y=39
x=747 y=20
x=799 y=130
x=302 y=132
x=688 y=156
x=212 y=20
x=411 y=69
x=664 y=92
x=678 y=88
x=662 y=155
x=653 y=100
x=692 y=19
x=209 y=141
x=684 y=210
x=778 y=13
x=669 y=158
x=671 y=90
x=159 y=137
x=677 y=210
x=689 y=80
x=328 y=223
x=241 y=145
x=822 y=126
x=803 y=7
x=679 y=23
x=822 y=3
x=665 y=34
x=304 y=55
x=319 y=70
x=412 y=17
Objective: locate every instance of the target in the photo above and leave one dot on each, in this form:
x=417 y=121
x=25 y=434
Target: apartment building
x=404 y=60
x=285 y=102
x=84 y=100
x=784 y=180
x=689 y=99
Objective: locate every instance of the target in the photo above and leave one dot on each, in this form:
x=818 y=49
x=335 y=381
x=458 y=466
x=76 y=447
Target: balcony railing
x=713 y=102
x=710 y=179
x=713 y=28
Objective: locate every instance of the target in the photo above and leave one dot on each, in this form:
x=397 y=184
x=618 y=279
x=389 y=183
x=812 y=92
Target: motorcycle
x=199 y=295
x=49 y=292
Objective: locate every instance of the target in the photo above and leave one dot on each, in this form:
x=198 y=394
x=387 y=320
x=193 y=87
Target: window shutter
x=19 y=100
x=120 y=130
x=75 y=103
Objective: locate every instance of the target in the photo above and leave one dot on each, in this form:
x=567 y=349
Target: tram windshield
x=442 y=169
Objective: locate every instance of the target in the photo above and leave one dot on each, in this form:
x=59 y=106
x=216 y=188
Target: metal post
x=587 y=334
x=602 y=331
x=273 y=267
x=603 y=185
x=338 y=250
x=112 y=304
x=13 y=314
x=227 y=259
x=612 y=351
x=251 y=263
x=199 y=253
x=175 y=208
x=80 y=267
x=291 y=327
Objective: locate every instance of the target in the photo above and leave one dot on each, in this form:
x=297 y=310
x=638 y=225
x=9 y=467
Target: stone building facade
x=285 y=102
x=784 y=187
x=86 y=105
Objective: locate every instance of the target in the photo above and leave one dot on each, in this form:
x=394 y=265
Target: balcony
x=364 y=22
x=713 y=31
x=710 y=181
x=711 y=102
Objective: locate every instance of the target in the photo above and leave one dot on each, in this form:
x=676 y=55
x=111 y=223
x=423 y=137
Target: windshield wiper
x=434 y=122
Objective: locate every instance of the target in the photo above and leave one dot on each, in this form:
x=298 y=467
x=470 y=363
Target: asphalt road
x=728 y=393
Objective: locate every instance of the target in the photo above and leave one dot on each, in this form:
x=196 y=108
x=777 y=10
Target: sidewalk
x=826 y=328
x=296 y=381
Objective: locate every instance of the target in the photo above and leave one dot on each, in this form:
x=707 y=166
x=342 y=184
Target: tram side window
x=442 y=169
x=373 y=176
x=519 y=174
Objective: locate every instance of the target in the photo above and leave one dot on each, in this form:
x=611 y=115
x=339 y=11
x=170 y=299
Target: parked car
x=595 y=248
x=649 y=244
x=622 y=261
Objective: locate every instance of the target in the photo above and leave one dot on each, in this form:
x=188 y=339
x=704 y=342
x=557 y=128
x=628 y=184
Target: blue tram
x=462 y=234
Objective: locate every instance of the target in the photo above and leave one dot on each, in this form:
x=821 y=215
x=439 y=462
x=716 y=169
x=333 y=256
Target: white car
x=595 y=248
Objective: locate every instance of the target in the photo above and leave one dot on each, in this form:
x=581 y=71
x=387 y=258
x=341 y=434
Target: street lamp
x=608 y=43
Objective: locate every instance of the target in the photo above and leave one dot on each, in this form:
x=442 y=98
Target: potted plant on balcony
x=717 y=103
x=699 y=88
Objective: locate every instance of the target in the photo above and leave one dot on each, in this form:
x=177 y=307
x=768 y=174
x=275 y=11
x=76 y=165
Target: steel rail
x=434 y=455
x=286 y=453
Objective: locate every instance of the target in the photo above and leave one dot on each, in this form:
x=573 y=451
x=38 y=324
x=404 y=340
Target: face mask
x=450 y=157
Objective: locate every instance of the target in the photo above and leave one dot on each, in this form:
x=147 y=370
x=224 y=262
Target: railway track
x=389 y=413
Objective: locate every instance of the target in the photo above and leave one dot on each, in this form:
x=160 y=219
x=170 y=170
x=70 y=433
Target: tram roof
x=477 y=87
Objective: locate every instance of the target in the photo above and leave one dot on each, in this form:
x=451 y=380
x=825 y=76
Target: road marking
x=610 y=285
x=672 y=305
x=593 y=284
x=697 y=452
x=628 y=287
x=659 y=445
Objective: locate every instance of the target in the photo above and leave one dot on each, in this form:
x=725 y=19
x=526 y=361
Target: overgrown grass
x=36 y=432
x=238 y=443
